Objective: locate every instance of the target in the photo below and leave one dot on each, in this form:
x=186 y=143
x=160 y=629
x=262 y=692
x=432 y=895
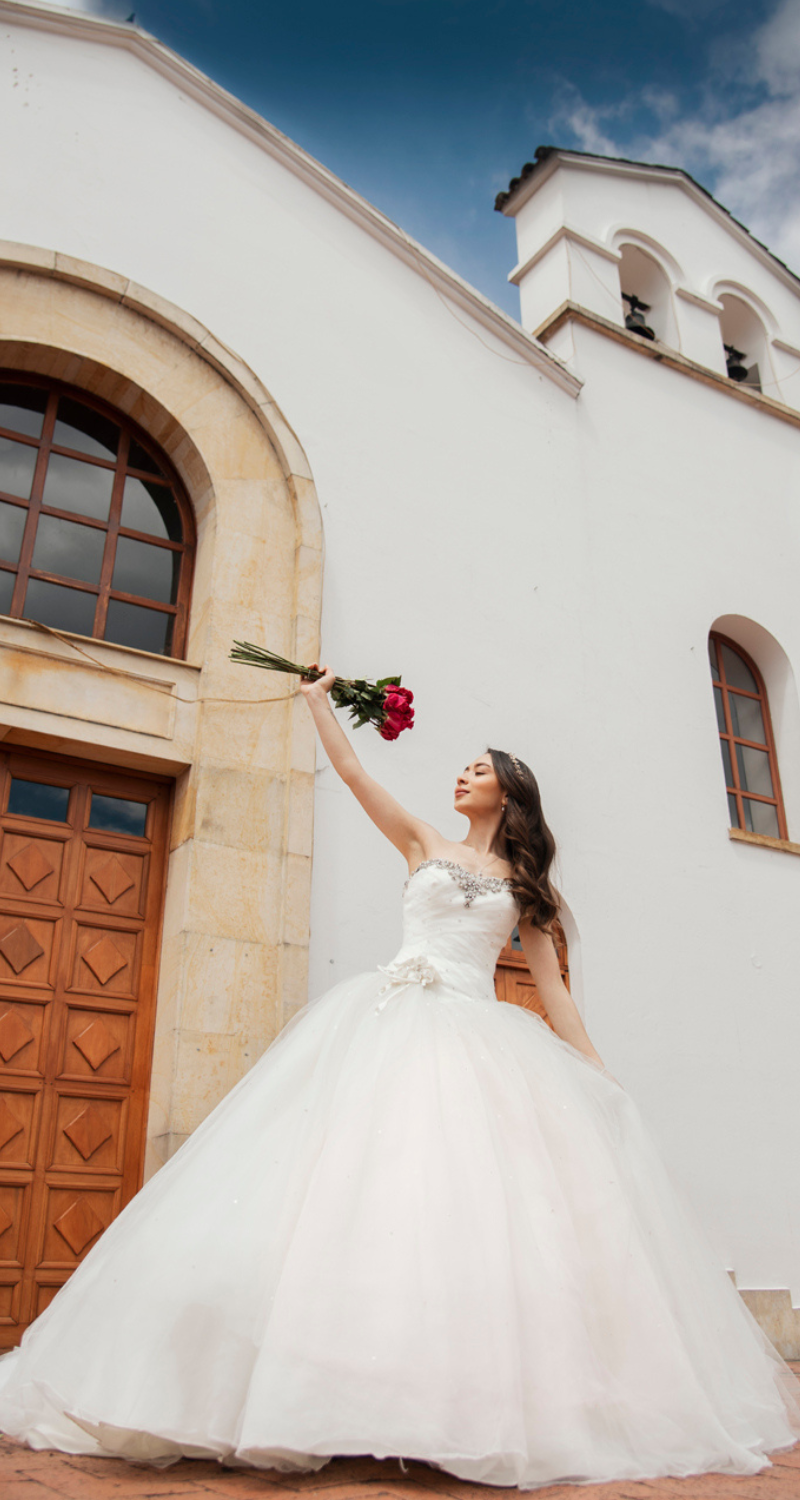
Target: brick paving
x=42 y=1476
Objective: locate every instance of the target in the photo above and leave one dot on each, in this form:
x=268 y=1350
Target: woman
x=423 y=1225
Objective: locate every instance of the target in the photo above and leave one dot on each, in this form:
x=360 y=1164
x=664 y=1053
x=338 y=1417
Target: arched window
x=646 y=296
x=96 y=534
x=748 y=749
x=745 y=342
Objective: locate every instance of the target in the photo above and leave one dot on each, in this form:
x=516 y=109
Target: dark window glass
x=747 y=718
x=754 y=772
x=79 y=427
x=151 y=508
x=761 y=817
x=134 y=625
x=116 y=815
x=515 y=941
x=35 y=799
x=12 y=525
x=91 y=489
x=68 y=548
x=742 y=715
x=151 y=572
x=64 y=608
x=737 y=672
x=22 y=409
x=139 y=458
x=17 y=463
x=84 y=488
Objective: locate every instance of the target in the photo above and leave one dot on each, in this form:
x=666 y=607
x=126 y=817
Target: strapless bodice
x=454 y=926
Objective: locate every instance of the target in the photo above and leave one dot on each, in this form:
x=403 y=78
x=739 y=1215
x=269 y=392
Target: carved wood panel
x=30 y=868
x=80 y=918
x=514 y=982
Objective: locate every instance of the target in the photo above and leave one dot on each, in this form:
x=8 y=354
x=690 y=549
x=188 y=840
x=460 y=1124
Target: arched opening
x=646 y=290
x=194 y=732
x=745 y=342
x=96 y=532
x=750 y=764
x=775 y=672
x=257 y=574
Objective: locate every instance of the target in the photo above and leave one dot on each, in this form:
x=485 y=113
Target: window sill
x=743 y=837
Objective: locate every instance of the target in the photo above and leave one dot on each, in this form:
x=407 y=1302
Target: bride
x=423 y=1225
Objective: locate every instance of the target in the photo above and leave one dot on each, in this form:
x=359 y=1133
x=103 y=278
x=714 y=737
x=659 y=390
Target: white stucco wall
x=594 y=207
x=543 y=570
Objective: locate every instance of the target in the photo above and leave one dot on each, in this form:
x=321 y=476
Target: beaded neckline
x=471 y=883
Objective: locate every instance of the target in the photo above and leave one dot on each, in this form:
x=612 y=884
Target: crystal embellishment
x=471 y=884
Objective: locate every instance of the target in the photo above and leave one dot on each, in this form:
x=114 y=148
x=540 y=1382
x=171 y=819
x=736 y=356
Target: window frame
x=737 y=791
x=130 y=432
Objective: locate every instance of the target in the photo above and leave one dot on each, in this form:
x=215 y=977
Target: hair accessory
x=517 y=766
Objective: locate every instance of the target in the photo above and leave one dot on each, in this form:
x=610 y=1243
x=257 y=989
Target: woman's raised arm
x=408 y=834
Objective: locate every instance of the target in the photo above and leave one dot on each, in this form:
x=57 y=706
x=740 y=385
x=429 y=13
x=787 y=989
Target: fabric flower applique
x=415 y=970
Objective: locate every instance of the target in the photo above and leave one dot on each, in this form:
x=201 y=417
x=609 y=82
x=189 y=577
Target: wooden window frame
x=737 y=791
x=112 y=528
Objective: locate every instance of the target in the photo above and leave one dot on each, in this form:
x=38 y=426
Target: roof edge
x=249 y=123
x=547 y=159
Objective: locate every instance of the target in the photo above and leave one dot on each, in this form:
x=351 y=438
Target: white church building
x=236 y=401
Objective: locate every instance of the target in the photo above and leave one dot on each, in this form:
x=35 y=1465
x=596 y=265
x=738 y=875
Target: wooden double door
x=82 y=866
x=513 y=980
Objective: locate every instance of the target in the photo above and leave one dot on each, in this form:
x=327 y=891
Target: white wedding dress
x=421 y=1226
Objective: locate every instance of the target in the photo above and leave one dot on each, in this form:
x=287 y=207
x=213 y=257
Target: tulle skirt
x=419 y=1227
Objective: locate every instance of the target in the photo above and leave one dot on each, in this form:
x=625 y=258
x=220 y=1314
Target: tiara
x=516 y=764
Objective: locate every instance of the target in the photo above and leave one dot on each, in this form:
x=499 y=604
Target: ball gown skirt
x=421 y=1226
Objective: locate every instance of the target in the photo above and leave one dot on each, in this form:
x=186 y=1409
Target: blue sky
x=428 y=107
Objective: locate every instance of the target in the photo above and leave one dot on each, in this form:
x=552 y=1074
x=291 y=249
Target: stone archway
x=234 y=948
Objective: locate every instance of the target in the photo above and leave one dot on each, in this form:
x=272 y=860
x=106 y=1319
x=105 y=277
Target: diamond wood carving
x=112 y=879
x=97 y=1044
x=30 y=866
x=10 y=1125
x=78 y=1225
x=88 y=1131
x=14 y=1034
x=19 y=948
x=62 y=1140
x=104 y=960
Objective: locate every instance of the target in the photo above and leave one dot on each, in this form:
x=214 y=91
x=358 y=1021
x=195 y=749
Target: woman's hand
x=321 y=686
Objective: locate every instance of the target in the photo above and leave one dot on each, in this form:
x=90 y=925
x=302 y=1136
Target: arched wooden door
x=82 y=865
x=513 y=980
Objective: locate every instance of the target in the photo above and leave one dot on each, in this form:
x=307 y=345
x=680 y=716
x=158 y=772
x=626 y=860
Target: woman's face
x=478 y=792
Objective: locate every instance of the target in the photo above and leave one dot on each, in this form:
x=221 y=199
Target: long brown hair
x=525 y=840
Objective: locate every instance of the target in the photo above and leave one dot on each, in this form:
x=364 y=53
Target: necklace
x=492 y=860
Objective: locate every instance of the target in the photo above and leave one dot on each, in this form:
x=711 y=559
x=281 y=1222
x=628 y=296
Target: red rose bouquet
x=384 y=703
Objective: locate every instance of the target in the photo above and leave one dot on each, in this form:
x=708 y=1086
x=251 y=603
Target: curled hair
x=525 y=840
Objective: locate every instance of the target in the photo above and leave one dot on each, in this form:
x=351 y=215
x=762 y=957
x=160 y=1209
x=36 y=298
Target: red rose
x=399 y=714
x=393 y=691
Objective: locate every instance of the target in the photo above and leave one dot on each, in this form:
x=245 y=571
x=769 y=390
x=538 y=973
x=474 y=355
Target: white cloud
x=777 y=45
x=690 y=10
x=748 y=157
x=113 y=11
